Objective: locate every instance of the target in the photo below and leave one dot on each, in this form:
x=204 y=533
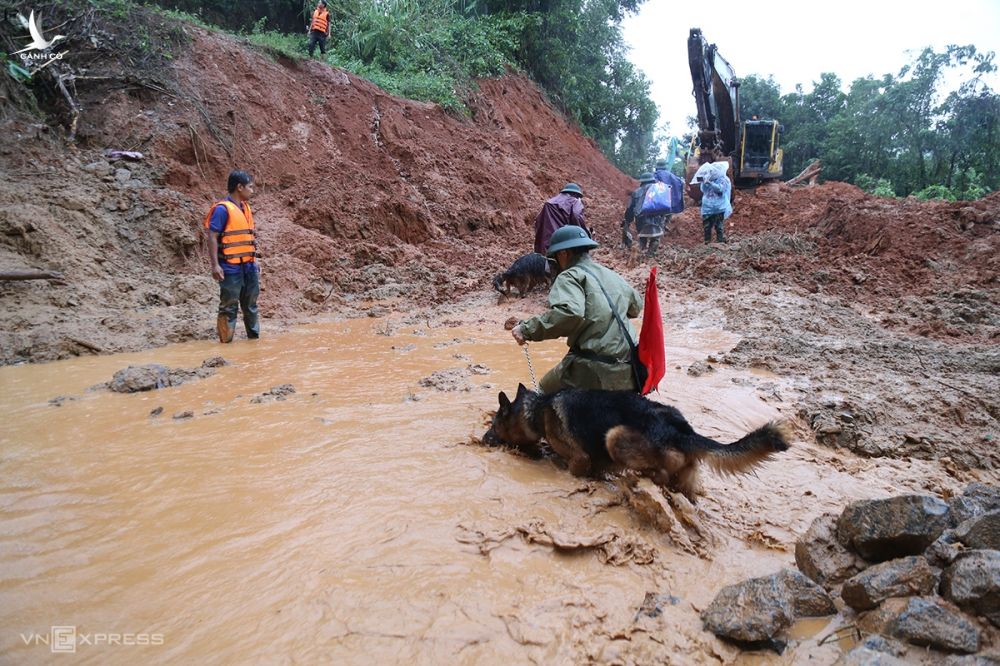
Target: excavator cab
x=760 y=150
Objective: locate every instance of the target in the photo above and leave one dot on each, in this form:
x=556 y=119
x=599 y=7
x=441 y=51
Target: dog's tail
x=746 y=453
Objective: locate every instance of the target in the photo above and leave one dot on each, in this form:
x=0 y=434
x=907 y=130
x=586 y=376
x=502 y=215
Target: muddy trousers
x=317 y=37
x=239 y=291
x=710 y=222
x=576 y=372
x=649 y=245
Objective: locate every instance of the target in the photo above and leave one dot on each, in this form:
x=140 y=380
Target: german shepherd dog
x=527 y=272
x=597 y=431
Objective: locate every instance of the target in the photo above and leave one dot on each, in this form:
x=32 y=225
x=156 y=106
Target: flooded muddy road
x=351 y=512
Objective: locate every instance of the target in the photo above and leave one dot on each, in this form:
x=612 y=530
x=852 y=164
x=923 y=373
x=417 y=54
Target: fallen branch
x=73 y=107
x=31 y=275
x=86 y=345
x=809 y=173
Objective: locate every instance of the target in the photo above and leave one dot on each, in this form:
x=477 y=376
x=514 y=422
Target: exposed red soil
x=877 y=318
x=363 y=193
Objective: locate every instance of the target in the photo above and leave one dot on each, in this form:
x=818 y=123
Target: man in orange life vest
x=232 y=251
x=319 y=29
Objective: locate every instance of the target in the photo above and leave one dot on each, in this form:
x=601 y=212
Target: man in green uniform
x=599 y=355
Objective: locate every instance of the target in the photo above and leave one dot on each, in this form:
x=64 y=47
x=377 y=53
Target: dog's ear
x=521 y=390
x=504 y=400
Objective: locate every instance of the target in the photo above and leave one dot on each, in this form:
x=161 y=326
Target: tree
x=575 y=50
x=760 y=97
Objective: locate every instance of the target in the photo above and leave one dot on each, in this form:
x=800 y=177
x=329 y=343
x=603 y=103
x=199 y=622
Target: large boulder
x=885 y=529
x=154 y=376
x=905 y=577
x=980 y=532
x=808 y=598
x=137 y=378
x=821 y=557
x=975 y=500
x=973 y=583
x=759 y=609
x=923 y=621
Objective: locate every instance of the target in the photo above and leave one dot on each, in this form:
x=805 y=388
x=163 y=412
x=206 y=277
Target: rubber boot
x=226 y=331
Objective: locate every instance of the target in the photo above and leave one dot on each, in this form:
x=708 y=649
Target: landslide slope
x=361 y=195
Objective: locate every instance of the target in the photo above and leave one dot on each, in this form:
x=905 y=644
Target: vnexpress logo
x=66 y=639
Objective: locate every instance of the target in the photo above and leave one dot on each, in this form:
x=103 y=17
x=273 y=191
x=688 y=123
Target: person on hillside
x=232 y=251
x=663 y=174
x=562 y=209
x=580 y=309
x=649 y=227
x=319 y=29
x=715 y=204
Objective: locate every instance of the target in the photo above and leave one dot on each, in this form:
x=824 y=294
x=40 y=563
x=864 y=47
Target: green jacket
x=580 y=313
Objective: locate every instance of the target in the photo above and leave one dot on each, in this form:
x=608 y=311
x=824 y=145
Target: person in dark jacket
x=649 y=227
x=562 y=209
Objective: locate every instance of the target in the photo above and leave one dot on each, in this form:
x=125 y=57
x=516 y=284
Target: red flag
x=651 y=350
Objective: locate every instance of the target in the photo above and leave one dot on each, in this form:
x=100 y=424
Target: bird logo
x=38 y=41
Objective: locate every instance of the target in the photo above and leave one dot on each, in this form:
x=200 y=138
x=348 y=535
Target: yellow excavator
x=752 y=147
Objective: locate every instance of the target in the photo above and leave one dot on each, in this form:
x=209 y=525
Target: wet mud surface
x=873 y=324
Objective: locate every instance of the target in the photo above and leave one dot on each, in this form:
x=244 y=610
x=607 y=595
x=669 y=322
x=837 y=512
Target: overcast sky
x=797 y=41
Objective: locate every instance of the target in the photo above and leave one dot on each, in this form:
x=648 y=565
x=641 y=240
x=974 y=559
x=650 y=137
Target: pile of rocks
x=915 y=568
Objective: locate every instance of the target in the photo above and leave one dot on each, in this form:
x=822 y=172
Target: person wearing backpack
x=649 y=225
x=562 y=209
x=589 y=305
x=663 y=174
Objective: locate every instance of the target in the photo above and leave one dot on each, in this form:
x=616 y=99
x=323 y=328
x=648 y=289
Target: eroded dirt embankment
x=877 y=320
x=367 y=196
x=359 y=193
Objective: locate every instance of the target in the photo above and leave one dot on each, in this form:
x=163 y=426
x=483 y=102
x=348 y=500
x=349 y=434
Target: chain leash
x=531 y=368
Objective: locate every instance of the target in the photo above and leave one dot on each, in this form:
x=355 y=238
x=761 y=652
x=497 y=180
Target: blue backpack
x=656 y=200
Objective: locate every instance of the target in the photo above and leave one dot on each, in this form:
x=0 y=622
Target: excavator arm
x=752 y=146
x=716 y=94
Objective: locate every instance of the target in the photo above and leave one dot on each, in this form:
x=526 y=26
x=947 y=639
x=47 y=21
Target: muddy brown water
x=335 y=525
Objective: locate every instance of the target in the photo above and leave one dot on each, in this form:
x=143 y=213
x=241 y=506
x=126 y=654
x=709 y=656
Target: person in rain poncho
x=562 y=209
x=715 y=193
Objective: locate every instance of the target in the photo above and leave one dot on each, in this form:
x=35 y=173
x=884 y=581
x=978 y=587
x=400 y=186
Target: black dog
x=526 y=273
x=596 y=431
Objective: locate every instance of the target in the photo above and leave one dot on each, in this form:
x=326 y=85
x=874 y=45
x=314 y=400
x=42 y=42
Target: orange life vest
x=321 y=20
x=237 y=244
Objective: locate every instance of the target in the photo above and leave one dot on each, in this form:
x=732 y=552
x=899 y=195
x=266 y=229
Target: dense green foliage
x=575 y=51
x=434 y=49
x=894 y=135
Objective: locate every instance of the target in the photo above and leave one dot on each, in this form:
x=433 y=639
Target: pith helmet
x=661 y=164
x=569 y=237
x=571 y=188
x=646 y=178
